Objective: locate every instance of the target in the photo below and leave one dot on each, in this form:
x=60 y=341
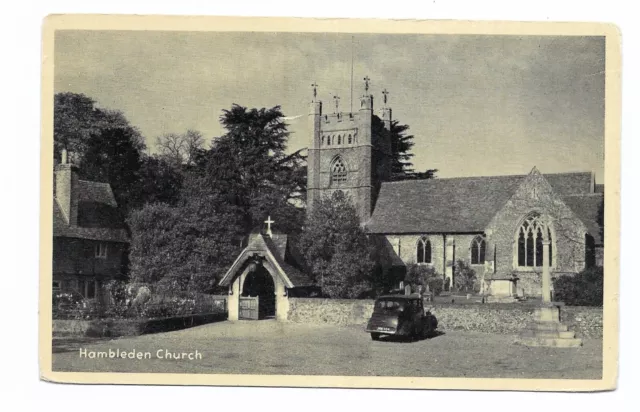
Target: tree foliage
x=336 y=249
x=190 y=244
x=464 y=277
x=583 y=289
x=401 y=144
x=425 y=276
x=180 y=149
x=108 y=149
x=251 y=170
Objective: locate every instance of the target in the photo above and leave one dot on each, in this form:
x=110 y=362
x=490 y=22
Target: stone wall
x=130 y=327
x=488 y=318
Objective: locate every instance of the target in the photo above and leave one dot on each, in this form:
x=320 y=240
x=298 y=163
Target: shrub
x=464 y=277
x=583 y=289
x=426 y=276
x=436 y=285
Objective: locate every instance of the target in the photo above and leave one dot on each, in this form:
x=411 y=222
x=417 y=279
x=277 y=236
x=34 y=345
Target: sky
x=476 y=104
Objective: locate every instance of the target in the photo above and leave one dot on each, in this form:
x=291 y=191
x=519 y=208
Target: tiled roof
x=587 y=208
x=98 y=215
x=296 y=276
x=455 y=205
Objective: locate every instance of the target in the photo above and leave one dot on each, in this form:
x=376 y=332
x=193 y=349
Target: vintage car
x=400 y=315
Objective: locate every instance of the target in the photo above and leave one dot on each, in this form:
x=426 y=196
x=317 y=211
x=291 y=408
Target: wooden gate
x=249 y=307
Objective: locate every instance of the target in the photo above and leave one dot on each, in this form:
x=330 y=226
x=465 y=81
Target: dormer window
x=100 y=250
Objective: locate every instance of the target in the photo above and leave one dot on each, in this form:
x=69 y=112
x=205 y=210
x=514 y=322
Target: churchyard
x=271 y=347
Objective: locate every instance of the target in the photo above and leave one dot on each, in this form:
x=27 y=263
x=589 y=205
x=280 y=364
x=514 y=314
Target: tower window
x=338 y=171
x=423 y=250
x=328 y=140
x=324 y=138
x=478 y=249
x=339 y=139
x=349 y=139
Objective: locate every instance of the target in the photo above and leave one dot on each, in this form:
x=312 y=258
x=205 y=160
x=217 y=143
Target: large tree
x=401 y=142
x=336 y=249
x=180 y=149
x=250 y=169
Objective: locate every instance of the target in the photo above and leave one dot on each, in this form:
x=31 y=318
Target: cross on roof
x=315 y=90
x=384 y=97
x=366 y=83
x=269 y=222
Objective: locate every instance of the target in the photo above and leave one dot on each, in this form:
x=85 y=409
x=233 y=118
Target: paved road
x=270 y=347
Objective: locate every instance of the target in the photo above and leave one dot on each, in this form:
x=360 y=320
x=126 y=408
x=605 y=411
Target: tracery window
x=338 y=171
x=530 y=236
x=478 y=249
x=423 y=251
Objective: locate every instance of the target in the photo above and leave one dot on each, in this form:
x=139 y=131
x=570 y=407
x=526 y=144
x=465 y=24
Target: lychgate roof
x=456 y=205
x=275 y=251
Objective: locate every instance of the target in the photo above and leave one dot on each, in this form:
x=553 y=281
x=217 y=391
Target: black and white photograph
x=305 y=203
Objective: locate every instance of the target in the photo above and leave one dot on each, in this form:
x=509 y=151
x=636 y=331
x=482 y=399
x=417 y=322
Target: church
x=507 y=228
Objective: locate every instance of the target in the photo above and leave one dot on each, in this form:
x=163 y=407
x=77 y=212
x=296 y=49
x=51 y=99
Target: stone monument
x=547 y=330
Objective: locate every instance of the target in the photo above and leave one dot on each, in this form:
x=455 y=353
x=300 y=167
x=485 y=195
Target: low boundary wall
x=131 y=327
x=503 y=318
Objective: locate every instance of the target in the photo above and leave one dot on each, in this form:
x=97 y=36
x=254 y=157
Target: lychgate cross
x=385 y=93
x=366 y=84
x=269 y=222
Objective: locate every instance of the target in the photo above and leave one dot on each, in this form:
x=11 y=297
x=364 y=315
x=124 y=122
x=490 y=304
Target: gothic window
x=339 y=139
x=349 y=140
x=328 y=140
x=423 y=251
x=530 y=236
x=338 y=171
x=324 y=138
x=478 y=248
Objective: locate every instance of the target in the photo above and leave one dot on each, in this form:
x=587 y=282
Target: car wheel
x=375 y=336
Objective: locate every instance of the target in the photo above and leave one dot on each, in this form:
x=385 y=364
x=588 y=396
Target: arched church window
x=349 y=139
x=324 y=138
x=339 y=139
x=423 y=251
x=328 y=140
x=478 y=249
x=338 y=171
x=530 y=237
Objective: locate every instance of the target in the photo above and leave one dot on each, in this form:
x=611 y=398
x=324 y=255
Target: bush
x=464 y=277
x=582 y=289
x=425 y=276
x=436 y=285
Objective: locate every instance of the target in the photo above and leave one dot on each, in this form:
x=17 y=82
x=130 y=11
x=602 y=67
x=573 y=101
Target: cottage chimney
x=66 y=190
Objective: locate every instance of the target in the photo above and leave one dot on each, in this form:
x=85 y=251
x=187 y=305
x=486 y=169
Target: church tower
x=341 y=153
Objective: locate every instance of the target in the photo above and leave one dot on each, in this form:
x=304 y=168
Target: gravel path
x=270 y=347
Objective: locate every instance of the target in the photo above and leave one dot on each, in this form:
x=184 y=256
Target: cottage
x=89 y=236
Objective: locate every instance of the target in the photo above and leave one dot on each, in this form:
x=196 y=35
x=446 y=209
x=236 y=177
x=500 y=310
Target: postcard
x=330 y=203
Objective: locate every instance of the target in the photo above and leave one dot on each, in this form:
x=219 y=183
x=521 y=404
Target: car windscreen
x=388 y=305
